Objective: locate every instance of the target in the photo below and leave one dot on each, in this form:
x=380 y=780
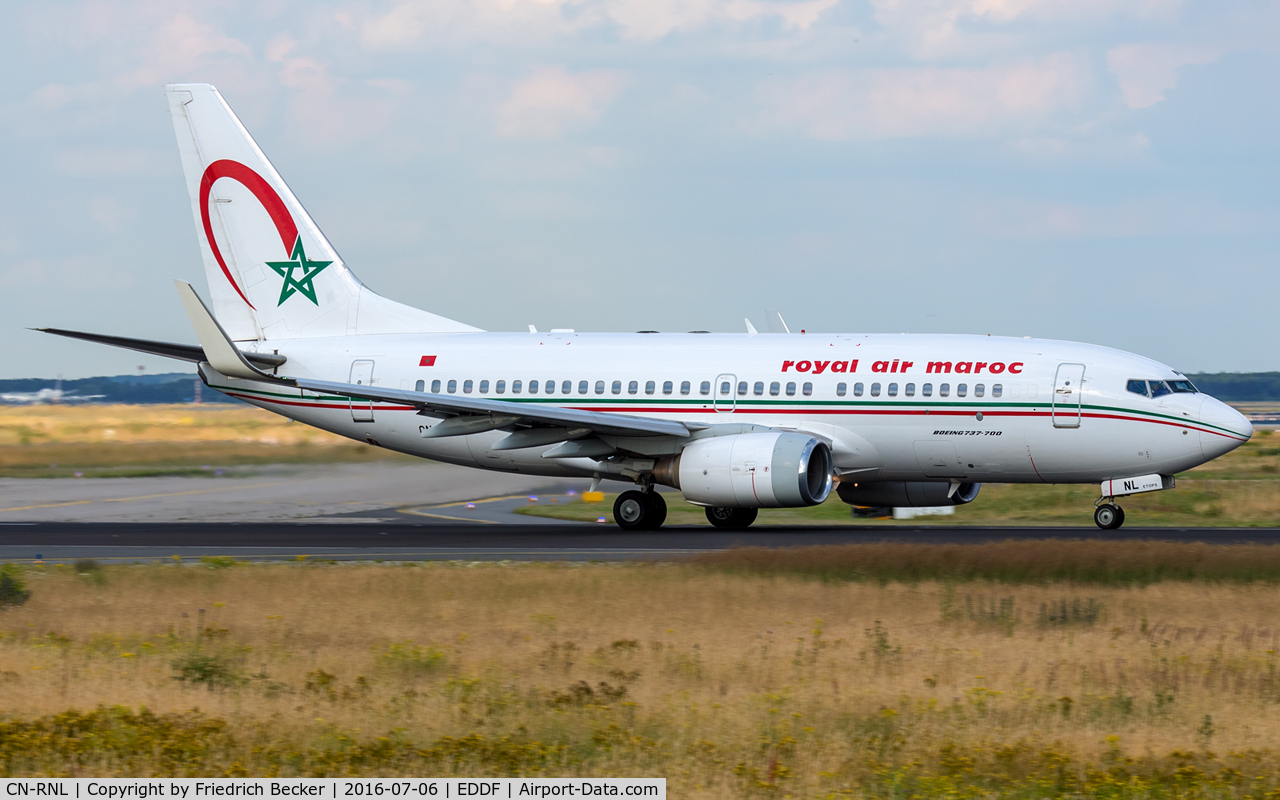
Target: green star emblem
x=303 y=284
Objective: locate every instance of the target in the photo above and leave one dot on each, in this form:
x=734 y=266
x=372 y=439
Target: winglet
x=751 y=329
x=219 y=351
x=776 y=325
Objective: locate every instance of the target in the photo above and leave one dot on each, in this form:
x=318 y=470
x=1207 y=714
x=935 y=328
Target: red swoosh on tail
x=266 y=195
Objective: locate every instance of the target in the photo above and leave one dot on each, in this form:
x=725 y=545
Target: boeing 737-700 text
x=736 y=422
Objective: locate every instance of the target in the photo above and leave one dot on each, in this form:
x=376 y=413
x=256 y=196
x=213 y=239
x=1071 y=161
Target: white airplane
x=736 y=422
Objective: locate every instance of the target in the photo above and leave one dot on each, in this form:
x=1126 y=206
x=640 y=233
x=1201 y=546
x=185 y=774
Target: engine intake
x=907 y=494
x=751 y=470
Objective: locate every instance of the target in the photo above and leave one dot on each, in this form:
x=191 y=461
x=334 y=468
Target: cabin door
x=361 y=375
x=723 y=393
x=1068 y=391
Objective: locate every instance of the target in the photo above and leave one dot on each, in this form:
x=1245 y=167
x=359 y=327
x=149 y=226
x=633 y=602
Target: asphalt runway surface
x=469 y=541
x=408 y=512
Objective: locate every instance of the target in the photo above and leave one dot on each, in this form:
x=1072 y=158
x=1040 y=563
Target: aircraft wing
x=474 y=414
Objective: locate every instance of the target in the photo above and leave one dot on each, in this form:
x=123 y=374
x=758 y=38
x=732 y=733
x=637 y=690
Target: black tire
x=632 y=511
x=731 y=518
x=657 y=511
x=1108 y=517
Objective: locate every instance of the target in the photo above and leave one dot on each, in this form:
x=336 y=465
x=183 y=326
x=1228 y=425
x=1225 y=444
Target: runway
x=358 y=540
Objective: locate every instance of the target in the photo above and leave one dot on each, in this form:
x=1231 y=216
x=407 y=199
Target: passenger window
x=667 y=387
x=725 y=388
x=979 y=390
x=944 y=390
x=962 y=389
x=927 y=390
x=791 y=388
x=875 y=390
x=742 y=388
x=758 y=389
x=419 y=386
x=841 y=388
x=599 y=387
x=997 y=390
x=704 y=388
x=857 y=390
x=484 y=387
x=775 y=388
x=1138 y=387
x=453 y=386
x=893 y=390
x=435 y=386
x=616 y=388
x=466 y=387
x=550 y=387
x=633 y=387
x=533 y=387
x=650 y=387
x=1159 y=388
x=685 y=387
x=500 y=387
x=910 y=390
x=515 y=387
x=807 y=389
x=583 y=387
x=566 y=387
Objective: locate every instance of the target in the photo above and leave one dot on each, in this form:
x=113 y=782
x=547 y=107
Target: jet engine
x=751 y=470
x=905 y=494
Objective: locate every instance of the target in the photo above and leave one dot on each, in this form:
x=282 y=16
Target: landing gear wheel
x=1108 y=517
x=632 y=511
x=731 y=518
x=657 y=511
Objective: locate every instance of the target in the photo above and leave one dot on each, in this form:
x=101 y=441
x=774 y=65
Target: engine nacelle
x=751 y=470
x=907 y=494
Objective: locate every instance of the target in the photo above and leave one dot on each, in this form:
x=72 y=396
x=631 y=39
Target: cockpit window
x=1159 y=388
x=1138 y=387
x=1183 y=386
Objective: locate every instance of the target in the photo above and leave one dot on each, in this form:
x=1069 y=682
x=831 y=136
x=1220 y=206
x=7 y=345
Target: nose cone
x=1224 y=429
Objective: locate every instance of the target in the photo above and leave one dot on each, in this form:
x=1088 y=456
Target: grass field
x=729 y=684
x=129 y=441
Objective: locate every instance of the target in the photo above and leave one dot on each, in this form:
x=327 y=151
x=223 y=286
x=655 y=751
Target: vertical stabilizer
x=272 y=273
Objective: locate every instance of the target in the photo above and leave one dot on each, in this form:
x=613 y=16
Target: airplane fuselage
x=895 y=407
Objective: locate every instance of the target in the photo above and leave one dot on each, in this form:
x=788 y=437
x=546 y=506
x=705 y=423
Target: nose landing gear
x=1107 y=515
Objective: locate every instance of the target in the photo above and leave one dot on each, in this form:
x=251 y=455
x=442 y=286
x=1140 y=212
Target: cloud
x=410 y=24
x=553 y=100
x=891 y=103
x=180 y=44
x=1146 y=71
x=106 y=161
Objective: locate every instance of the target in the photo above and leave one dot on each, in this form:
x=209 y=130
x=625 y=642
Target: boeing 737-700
x=735 y=422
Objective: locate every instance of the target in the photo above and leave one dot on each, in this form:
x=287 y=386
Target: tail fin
x=272 y=273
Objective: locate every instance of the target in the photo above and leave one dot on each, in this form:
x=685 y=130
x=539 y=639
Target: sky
x=1093 y=170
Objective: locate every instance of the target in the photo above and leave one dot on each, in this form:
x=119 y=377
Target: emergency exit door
x=1068 y=392
x=361 y=375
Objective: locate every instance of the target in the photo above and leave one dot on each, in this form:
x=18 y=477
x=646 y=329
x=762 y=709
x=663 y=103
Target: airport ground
x=1122 y=668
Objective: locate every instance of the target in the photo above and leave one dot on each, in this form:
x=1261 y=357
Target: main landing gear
x=731 y=518
x=1107 y=515
x=640 y=511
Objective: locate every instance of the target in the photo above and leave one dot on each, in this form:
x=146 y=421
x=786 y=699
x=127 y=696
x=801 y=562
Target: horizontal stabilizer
x=182 y=352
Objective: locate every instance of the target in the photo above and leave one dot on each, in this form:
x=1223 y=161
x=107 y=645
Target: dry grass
x=728 y=685
x=1119 y=563
x=58 y=441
